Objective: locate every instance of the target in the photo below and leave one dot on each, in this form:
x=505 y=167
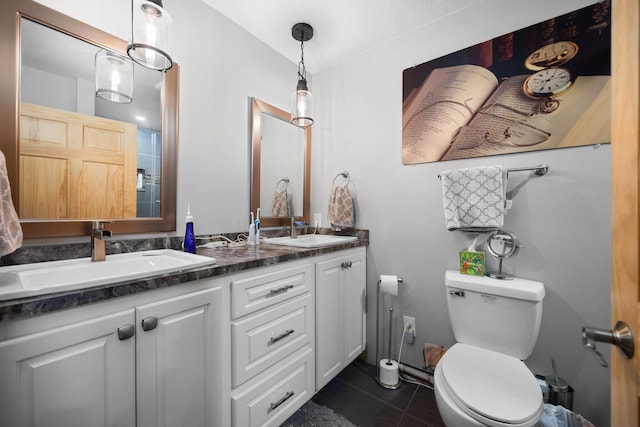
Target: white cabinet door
x=80 y=375
x=340 y=313
x=354 y=308
x=329 y=320
x=180 y=343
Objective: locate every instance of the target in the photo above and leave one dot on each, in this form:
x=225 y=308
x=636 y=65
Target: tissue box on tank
x=472 y=263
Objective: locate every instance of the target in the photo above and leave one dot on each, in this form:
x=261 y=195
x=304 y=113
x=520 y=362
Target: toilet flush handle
x=620 y=336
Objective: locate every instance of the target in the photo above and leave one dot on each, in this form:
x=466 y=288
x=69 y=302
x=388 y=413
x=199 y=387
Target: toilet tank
x=498 y=315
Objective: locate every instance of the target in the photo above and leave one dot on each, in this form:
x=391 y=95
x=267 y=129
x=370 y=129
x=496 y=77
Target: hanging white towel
x=10 y=232
x=341 y=209
x=474 y=198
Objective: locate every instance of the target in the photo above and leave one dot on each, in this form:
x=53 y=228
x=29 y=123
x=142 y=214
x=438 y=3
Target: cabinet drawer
x=275 y=396
x=262 y=340
x=264 y=290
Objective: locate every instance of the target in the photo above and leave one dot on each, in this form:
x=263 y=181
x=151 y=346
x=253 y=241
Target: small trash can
x=560 y=392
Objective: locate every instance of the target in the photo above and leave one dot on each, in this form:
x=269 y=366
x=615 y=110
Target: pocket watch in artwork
x=549 y=78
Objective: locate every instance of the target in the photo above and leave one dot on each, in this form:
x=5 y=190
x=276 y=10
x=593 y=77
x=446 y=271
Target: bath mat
x=313 y=415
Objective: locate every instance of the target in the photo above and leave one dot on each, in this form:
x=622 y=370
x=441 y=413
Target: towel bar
x=539 y=170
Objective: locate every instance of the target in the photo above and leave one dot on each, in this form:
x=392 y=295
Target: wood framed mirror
x=280 y=166
x=14 y=14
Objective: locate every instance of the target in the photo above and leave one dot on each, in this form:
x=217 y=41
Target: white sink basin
x=311 y=240
x=54 y=276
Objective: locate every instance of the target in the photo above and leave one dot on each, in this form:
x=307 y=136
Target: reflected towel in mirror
x=11 y=232
x=280 y=203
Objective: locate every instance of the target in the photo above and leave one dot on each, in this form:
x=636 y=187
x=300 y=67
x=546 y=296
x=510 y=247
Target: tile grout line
x=407 y=408
x=403 y=410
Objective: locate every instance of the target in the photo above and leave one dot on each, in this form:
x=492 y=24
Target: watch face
x=546 y=83
x=551 y=55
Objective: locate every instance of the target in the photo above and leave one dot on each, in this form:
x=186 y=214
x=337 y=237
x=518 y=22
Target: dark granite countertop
x=228 y=260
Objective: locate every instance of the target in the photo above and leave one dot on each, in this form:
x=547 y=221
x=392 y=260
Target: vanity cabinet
x=245 y=350
x=340 y=312
x=133 y=364
x=179 y=344
x=81 y=374
x=272 y=342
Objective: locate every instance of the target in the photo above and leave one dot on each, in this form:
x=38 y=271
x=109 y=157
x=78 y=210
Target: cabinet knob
x=125 y=332
x=346 y=264
x=149 y=323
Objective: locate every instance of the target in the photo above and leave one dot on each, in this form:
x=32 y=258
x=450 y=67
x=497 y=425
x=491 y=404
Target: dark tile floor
x=356 y=395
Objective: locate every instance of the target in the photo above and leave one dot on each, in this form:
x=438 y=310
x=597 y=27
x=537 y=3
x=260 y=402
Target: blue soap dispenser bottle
x=189 y=236
x=257 y=226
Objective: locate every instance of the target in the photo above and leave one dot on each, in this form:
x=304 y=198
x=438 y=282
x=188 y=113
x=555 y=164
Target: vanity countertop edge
x=229 y=260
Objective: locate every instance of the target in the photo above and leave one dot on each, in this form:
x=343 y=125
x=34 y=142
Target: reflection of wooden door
x=625 y=232
x=75 y=166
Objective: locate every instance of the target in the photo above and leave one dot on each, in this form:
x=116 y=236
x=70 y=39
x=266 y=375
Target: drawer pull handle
x=149 y=323
x=125 y=332
x=280 y=290
x=286 y=397
x=345 y=265
x=281 y=336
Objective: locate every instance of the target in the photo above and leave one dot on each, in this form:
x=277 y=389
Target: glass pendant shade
x=150 y=35
x=302 y=99
x=302 y=105
x=114 y=77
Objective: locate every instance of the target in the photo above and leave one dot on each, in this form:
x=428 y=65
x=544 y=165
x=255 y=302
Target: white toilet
x=481 y=380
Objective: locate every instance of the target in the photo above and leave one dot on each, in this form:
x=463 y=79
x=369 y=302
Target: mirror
x=280 y=166
x=151 y=180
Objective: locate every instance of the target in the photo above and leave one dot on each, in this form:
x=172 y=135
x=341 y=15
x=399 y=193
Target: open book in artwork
x=463 y=111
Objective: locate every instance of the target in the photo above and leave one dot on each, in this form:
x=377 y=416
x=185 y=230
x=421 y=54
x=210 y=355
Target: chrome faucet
x=98 y=236
x=294 y=229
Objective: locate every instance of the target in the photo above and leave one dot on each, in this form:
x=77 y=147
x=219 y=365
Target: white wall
x=561 y=219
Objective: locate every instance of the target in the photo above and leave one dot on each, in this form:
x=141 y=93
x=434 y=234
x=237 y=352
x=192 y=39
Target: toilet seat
x=492 y=388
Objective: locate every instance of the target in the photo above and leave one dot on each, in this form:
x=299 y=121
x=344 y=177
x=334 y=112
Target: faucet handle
x=97 y=227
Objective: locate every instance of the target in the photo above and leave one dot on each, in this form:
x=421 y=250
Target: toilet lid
x=491 y=386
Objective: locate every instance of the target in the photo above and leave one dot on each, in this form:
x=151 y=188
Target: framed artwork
x=542 y=87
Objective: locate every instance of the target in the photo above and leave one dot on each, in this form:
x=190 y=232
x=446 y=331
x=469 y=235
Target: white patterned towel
x=474 y=198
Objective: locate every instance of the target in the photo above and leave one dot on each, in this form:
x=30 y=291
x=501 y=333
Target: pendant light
x=150 y=35
x=114 y=77
x=302 y=99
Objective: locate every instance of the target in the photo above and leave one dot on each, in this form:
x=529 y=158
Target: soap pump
x=189 y=236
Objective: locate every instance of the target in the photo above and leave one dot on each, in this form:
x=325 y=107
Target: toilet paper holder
x=378 y=380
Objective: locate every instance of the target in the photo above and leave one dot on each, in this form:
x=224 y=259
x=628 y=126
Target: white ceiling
x=342 y=28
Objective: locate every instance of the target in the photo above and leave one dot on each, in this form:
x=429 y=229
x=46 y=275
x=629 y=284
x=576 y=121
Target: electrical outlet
x=317 y=220
x=410 y=325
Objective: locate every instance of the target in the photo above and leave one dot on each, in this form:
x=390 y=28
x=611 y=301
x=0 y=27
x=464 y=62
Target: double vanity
x=244 y=337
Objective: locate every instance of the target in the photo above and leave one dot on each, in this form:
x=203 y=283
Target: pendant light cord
x=302 y=74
